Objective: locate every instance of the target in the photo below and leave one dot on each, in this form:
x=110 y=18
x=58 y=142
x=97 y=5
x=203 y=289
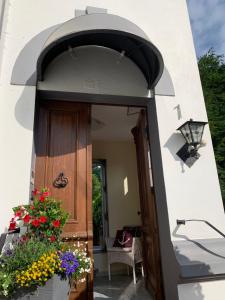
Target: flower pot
x=55 y=289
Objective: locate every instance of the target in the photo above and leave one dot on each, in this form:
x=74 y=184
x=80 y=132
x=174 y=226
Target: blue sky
x=208 y=25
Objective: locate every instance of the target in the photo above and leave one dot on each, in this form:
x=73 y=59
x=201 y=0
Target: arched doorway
x=97 y=60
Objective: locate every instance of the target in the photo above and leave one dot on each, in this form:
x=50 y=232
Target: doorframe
x=170 y=268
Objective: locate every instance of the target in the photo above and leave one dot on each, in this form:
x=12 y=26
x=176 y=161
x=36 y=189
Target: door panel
x=151 y=250
x=63 y=157
x=62 y=142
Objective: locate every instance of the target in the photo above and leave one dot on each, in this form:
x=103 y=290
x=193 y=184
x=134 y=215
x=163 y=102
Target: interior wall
x=123 y=199
x=123 y=203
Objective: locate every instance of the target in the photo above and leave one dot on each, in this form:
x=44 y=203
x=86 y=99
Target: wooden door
x=62 y=141
x=151 y=250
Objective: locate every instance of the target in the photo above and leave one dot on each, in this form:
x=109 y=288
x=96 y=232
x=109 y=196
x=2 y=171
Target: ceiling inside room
x=113 y=123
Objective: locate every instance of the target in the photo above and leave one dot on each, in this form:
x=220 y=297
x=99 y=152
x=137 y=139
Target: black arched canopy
x=108 y=31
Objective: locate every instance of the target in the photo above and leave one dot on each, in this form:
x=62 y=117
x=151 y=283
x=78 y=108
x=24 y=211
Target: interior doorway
x=113 y=143
x=120 y=139
x=65 y=134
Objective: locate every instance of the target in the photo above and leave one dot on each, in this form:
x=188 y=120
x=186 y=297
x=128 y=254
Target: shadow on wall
x=196 y=243
x=192 y=291
x=24 y=73
x=24 y=109
x=24 y=69
x=174 y=143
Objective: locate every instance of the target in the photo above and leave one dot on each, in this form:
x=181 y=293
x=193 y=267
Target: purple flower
x=69 y=263
x=8 y=252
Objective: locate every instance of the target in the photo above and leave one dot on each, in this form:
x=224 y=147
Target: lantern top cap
x=191 y=121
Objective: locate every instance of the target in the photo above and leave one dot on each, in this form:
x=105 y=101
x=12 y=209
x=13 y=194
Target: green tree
x=96 y=206
x=212 y=73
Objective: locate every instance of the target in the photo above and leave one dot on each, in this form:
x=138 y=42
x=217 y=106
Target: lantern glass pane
x=185 y=130
x=197 y=131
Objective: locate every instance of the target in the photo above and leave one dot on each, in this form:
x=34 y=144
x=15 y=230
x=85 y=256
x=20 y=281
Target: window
x=99 y=204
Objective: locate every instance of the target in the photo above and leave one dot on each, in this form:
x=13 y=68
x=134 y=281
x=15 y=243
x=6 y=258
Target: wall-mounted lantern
x=192 y=132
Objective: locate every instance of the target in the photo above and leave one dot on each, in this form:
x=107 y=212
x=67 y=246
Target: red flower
x=45 y=194
x=42 y=219
x=24 y=238
x=32 y=207
x=12 y=225
x=56 y=223
x=35 y=223
x=42 y=198
x=18 y=213
x=35 y=192
x=26 y=219
x=52 y=238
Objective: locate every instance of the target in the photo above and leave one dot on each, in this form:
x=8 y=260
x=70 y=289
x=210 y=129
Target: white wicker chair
x=129 y=256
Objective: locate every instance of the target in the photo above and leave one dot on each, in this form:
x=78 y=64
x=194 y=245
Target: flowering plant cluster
x=69 y=263
x=79 y=250
x=39 y=271
x=43 y=217
x=36 y=256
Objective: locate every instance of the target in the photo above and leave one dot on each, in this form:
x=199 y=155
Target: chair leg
x=134 y=274
x=109 y=271
x=142 y=270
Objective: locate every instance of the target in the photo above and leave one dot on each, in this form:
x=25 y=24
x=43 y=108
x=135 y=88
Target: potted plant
x=37 y=263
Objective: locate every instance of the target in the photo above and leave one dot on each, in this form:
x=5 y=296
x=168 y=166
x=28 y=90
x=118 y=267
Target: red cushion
x=124 y=239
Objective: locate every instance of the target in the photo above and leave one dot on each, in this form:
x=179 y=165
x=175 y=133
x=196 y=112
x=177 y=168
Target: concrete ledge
x=200 y=258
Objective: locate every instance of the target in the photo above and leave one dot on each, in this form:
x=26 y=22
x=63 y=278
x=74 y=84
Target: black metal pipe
x=183 y=222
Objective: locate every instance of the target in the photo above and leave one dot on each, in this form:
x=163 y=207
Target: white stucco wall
x=16 y=119
x=202 y=290
x=191 y=193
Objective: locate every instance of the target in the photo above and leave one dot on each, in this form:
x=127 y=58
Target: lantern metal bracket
x=188 y=154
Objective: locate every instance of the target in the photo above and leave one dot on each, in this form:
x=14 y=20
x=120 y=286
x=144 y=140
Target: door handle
x=61 y=181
